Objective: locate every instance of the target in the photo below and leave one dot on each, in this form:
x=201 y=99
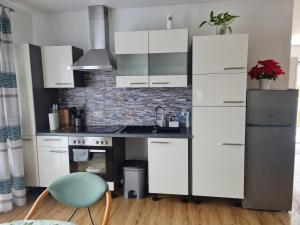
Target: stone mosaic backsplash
x=123 y=106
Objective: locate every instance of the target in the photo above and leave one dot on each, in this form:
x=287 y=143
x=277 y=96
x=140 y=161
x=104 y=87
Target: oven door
x=97 y=160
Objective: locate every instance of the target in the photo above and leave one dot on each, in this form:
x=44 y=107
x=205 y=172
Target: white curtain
x=12 y=185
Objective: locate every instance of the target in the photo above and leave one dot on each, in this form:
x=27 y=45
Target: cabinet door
x=53 y=163
x=168 y=41
x=220 y=89
x=220 y=54
x=30 y=161
x=168 y=166
x=132 y=81
x=218 y=151
x=56 y=67
x=168 y=81
x=134 y=42
x=25 y=89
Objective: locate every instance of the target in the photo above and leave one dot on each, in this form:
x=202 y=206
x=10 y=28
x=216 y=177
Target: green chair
x=78 y=190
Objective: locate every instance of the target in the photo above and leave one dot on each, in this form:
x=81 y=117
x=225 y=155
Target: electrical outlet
x=98 y=114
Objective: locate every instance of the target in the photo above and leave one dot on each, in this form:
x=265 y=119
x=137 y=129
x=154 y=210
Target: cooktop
x=93 y=129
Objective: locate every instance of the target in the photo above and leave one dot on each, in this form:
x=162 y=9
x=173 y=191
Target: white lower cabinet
x=168 y=166
x=30 y=161
x=218 y=151
x=53 y=158
x=53 y=163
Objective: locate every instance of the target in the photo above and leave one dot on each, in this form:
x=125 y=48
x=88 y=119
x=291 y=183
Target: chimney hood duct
x=99 y=57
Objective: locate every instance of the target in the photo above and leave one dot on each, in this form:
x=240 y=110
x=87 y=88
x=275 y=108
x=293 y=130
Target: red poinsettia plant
x=266 y=69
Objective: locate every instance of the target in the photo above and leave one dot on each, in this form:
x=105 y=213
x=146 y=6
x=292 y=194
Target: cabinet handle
x=97 y=151
x=160 y=82
x=160 y=142
x=136 y=83
x=26 y=139
x=52 y=139
x=63 y=83
x=233 y=101
x=56 y=151
x=232 y=144
x=234 y=68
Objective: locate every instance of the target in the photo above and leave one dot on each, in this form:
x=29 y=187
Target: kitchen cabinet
x=220 y=54
x=30 y=161
x=220 y=90
x=53 y=158
x=168 y=166
x=161 y=53
x=57 y=71
x=132 y=81
x=168 y=81
x=218 y=151
x=133 y=42
x=219 y=100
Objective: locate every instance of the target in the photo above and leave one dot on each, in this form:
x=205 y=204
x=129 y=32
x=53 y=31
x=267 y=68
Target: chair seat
x=38 y=222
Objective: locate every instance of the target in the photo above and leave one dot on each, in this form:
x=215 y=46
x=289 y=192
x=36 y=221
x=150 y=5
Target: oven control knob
x=79 y=142
x=82 y=142
x=97 y=142
x=101 y=142
x=74 y=141
x=107 y=142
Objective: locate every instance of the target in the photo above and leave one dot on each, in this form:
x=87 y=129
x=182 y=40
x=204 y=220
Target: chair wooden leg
x=37 y=203
x=107 y=208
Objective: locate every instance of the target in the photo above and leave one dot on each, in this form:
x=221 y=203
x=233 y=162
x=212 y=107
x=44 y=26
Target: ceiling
x=74 y=5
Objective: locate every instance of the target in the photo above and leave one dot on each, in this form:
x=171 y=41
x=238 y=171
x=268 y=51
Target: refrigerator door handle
x=232 y=102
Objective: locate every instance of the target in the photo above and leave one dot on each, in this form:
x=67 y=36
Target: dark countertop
x=184 y=133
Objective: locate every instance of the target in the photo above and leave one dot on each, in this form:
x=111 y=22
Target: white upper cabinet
x=220 y=54
x=133 y=42
x=56 y=67
x=168 y=41
x=220 y=90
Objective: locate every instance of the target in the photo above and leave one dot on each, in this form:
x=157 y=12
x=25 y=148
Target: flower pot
x=221 y=29
x=264 y=84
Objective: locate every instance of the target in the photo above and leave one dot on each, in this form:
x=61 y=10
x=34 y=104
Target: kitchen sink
x=149 y=130
x=137 y=129
x=160 y=130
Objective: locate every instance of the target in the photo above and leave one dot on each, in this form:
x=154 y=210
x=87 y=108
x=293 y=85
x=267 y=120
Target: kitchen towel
x=81 y=155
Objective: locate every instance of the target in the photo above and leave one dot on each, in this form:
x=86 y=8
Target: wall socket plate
x=98 y=114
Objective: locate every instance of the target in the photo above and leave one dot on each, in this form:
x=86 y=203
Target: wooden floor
x=170 y=211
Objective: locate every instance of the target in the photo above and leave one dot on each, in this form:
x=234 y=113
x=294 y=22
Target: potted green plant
x=222 y=22
x=265 y=71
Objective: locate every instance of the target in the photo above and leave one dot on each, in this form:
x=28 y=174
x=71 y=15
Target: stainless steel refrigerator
x=270 y=149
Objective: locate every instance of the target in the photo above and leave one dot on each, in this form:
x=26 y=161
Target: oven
x=99 y=155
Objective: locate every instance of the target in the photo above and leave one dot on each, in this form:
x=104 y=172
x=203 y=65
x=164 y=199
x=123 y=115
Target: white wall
x=69 y=28
x=22 y=28
x=268 y=22
x=296 y=24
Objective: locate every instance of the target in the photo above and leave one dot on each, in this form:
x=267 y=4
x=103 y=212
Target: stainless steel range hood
x=99 y=57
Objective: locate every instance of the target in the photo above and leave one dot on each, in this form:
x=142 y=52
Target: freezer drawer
x=269 y=167
x=228 y=89
x=218 y=151
x=272 y=107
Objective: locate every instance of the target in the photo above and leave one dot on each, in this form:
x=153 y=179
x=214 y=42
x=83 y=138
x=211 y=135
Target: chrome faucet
x=161 y=121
